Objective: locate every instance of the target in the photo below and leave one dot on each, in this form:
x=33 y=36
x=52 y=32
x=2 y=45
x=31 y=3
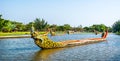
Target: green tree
x=87 y=29
x=79 y=28
x=1 y=23
x=53 y=27
x=67 y=27
x=40 y=24
x=116 y=26
x=19 y=26
x=28 y=26
x=7 y=26
x=60 y=28
x=109 y=29
x=0 y=15
x=99 y=28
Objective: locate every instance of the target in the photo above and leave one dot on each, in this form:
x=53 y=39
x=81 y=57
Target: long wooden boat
x=44 y=42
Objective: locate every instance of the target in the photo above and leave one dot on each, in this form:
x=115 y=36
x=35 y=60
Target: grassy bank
x=28 y=33
x=16 y=33
x=13 y=33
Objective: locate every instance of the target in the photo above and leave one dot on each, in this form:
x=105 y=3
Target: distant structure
x=52 y=33
x=32 y=30
x=70 y=32
x=96 y=32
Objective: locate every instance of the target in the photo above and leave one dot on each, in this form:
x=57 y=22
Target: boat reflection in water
x=45 y=54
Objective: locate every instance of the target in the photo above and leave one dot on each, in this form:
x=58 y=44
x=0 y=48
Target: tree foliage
x=40 y=24
x=5 y=25
x=97 y=27
x=67 y=27
x=8 y=26
x=60 y=28
x=116 y=26
x=28 y=26
x=1 y=23
x=87 y=29
x=78 y=28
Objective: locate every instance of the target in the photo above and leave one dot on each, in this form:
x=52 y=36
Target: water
x=24 y=49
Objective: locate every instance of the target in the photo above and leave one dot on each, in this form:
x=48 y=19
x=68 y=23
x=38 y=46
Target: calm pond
x=24 y=49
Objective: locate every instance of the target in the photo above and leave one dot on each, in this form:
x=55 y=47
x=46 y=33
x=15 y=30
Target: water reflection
x=44 y=55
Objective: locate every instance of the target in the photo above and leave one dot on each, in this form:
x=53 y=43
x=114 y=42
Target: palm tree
x=40 y=24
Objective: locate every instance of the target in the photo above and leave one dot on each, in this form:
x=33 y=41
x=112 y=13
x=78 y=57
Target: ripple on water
x=24 y=49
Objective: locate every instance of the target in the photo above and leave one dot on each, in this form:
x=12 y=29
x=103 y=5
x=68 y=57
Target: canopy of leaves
x=40 y=24
x=95 y=27
x=116 y=26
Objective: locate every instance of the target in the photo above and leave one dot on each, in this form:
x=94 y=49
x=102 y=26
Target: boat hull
x=68 y=43
x=44 y=42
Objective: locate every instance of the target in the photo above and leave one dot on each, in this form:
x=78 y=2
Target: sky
x=60 y=12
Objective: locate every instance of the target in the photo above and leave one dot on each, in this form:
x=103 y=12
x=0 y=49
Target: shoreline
x=15 y=36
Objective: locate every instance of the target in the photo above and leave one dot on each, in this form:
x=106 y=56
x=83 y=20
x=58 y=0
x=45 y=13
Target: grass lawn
x=16 y=33
x=28 y=33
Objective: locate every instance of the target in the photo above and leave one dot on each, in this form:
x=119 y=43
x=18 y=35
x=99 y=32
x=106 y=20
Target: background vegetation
x=42 y=25
x=116 y=27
